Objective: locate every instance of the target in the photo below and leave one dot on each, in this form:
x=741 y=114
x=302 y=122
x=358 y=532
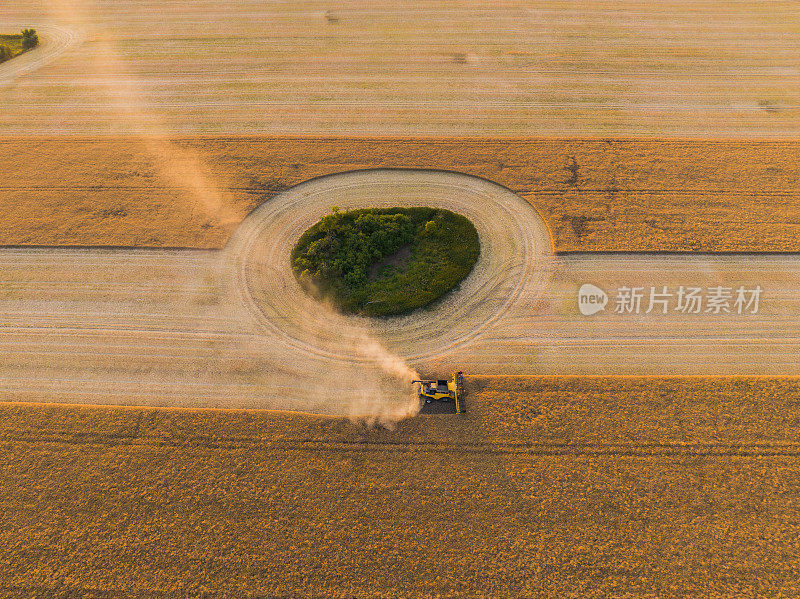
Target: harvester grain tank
x=440 y=391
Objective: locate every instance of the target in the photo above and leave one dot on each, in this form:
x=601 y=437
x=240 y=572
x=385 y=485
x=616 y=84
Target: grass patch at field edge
x=14 y=44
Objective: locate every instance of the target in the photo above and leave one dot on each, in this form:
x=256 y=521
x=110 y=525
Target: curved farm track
x=515 y=254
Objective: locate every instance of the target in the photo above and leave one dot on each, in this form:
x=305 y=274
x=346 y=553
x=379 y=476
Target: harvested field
x=54 y=41
x=633 y=67
x=626 y=195
x=160 y=124
x=233 y=328
x=549 y=487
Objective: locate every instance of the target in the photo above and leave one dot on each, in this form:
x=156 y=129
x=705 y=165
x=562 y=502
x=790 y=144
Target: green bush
x=384 y=261
x=30 y=39
x=5 y=53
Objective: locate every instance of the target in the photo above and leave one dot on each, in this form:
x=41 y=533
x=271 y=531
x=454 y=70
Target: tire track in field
x=416 y=446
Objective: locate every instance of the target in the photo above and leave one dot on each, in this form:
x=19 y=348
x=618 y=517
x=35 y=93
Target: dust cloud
x=229 y=363
x=344 y=370
x=178 y=166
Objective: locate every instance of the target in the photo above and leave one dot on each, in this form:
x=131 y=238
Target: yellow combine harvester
x=435 y=394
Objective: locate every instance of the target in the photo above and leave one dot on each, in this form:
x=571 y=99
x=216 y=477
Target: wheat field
x=623 y=195
x=548 y=487
x=631 y=126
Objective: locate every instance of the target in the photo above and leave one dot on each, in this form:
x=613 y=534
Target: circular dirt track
x=515 y=247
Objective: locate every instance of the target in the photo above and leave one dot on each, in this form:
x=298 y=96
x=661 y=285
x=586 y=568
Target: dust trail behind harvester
x=256 y=370
x=346 y=371
x=377 y=389
x=178 y=166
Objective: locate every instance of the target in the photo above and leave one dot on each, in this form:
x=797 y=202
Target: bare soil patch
x=396 y=261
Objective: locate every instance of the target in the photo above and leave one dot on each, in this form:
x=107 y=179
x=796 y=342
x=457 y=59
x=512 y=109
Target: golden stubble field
x=596 y=195
x=699 y=68
x=549 y=487
x=582 y=487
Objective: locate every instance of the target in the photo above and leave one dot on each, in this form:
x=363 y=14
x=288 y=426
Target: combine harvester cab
x=441 y=396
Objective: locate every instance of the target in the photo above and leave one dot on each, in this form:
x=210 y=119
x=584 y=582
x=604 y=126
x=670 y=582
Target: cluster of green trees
x=354 y=258
x=345 y=245
x=30 y=39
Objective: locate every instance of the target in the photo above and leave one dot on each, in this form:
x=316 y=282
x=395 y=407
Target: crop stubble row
x=413 y=68
x=625 y=195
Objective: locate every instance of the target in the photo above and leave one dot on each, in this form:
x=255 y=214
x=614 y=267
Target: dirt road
x=678 y=68
x=233 y=328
